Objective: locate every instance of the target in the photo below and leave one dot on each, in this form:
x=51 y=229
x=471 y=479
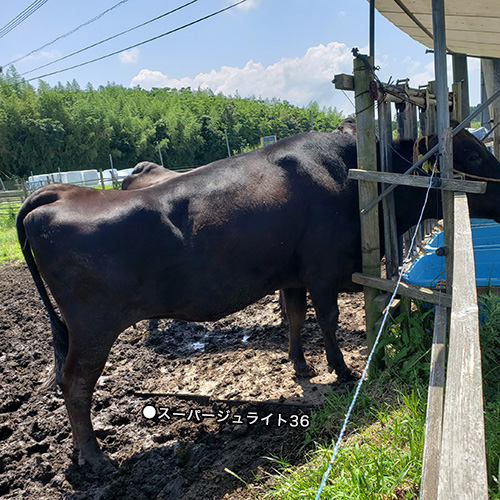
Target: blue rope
x=377 y=339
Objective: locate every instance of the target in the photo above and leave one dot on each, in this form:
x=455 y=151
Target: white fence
x=88 y=178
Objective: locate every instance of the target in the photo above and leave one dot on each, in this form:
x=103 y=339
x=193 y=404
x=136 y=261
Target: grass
x=378 y=461
x=381 y=455
x=9 y=246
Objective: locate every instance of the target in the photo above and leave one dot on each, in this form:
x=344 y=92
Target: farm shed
x=454 y=457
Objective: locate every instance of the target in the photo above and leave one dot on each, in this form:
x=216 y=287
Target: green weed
x=381 y=456
x=9 y=246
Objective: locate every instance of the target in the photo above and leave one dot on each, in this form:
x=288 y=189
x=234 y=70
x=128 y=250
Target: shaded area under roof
x=472 y=27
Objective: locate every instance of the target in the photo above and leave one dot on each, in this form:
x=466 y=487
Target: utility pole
x=227 y=143
x=159 y=152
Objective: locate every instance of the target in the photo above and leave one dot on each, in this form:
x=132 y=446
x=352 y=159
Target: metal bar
x=440 y=68
x=372 y=31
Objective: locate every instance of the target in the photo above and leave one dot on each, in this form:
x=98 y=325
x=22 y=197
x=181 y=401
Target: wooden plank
x=435 y=405
x=476 y=187
x=367 y=159
x=462 y=471
x=413 y=291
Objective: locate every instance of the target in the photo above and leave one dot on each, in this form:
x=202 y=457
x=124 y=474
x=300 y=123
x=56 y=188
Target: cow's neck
x=410 y=200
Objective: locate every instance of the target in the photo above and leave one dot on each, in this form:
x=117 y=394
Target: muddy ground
x=253 y=406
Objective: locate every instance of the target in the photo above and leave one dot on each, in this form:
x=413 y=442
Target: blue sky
x=289 y=49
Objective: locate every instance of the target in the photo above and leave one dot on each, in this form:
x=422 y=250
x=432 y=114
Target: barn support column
x=367 y=160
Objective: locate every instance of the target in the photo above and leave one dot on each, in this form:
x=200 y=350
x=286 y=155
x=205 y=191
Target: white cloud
x=298 y=80
x=129 y=56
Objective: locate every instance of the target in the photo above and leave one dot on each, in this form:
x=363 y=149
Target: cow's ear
x=425 y=143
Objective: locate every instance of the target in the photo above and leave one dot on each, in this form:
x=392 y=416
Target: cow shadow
x=188 y=459
x=181 y=339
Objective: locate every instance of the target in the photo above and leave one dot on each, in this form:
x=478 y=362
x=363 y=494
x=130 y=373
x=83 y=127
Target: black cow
x=147 y=173
x=217 y=239
x=347 y=126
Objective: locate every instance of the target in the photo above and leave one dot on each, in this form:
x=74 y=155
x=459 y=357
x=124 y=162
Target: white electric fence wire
x=377 y=339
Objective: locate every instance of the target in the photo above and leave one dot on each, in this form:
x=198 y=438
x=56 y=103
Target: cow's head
x=143 y=174
x=473 y=161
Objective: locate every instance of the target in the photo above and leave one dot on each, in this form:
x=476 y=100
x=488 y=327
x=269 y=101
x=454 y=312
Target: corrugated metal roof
x=472 y=27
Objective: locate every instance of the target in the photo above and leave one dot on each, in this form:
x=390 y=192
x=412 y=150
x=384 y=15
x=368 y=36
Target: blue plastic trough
x=427 y=269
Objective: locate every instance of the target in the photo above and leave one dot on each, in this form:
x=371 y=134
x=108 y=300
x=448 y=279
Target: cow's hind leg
x=295 y=307
x=82 y=368
x=327 y=314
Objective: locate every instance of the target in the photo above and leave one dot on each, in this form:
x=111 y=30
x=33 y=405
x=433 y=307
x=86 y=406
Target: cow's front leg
x=327 y=314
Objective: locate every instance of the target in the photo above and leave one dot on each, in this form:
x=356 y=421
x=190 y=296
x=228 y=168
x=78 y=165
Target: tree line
x=64 y=128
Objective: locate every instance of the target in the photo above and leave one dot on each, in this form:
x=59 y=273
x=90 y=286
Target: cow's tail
x=60 y=334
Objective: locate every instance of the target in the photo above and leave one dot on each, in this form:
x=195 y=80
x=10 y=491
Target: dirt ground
x=222 y=395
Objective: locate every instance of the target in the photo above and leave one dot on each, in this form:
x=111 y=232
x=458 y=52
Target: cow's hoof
x=99 y=463
x=344 y=375
x=304 y=370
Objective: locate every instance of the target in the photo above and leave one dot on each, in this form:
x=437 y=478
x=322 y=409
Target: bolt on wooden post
x=367 y=160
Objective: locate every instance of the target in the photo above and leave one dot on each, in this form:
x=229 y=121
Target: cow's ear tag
x=429 y=167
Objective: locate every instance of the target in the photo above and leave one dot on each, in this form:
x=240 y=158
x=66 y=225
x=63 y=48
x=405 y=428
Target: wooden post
x=461 y=75
x=367 y=160
x=491 y=72
x=388 y=207
x=430 y=109
x=496 y=133
x=462 y=470
x=103 y=185
x=457 y=89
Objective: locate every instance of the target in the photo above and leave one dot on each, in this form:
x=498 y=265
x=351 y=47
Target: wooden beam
x=343 y=82
x=462 y=471
x=476 y=187
x=406 y=290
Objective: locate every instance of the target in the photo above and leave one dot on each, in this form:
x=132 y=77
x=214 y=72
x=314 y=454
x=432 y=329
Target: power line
x=74 y=30
x=21 y=17
x=109 y=38
x=141 y=43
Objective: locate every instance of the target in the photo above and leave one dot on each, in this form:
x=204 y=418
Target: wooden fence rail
x=462 y=469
